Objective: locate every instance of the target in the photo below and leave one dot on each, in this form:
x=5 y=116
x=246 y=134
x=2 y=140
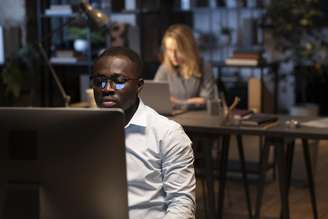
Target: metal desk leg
x=198 y=144
x=244 y=174
x=289 y=157
x=209 y=176
x=223 y=173
x=308 y=166
x=264 y=164
x=205 y=201
x=282 y=175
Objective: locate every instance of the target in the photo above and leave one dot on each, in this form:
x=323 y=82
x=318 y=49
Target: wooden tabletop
x=202 y=122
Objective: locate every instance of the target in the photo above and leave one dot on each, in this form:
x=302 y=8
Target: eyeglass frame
x=112 y=83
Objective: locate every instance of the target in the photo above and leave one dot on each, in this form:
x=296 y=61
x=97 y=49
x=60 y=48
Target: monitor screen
x=74 y=157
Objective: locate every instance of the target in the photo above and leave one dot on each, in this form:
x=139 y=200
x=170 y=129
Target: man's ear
x=140 y=85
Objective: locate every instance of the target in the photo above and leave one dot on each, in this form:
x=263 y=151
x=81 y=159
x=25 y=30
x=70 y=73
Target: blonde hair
x=187 y=46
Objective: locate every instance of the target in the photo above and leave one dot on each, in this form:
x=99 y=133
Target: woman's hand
x=195 y=102
x=177 y=102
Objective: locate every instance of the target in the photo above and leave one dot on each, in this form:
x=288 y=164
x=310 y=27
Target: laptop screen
x=157 y=96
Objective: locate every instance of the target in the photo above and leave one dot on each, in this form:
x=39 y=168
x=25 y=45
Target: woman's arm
x=194 y=102
x=207 y=92
x=198 y=101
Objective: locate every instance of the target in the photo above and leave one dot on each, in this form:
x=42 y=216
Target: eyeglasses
x=116 y=82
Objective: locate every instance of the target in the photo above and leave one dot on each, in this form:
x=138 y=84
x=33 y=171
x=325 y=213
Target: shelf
x=222 y=64
x=206 y=9
x=59 y=15
x=137 y=11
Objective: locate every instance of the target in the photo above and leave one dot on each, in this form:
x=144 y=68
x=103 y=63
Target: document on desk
x=318 y=123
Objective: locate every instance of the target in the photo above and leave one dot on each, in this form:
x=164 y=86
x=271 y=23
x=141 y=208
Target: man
x=161 y=180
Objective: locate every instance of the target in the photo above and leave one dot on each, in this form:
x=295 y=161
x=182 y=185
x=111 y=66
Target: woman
x=191 y=80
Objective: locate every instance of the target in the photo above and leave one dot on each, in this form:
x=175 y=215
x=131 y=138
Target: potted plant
x=82 y=36
x=295 y=29
x=19 y=76
x=298 y=35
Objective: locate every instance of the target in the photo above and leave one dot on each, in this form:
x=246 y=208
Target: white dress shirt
x=160 y=172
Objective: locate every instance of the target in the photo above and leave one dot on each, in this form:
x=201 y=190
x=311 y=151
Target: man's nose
x=109 y=87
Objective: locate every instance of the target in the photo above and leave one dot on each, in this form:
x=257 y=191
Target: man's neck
x=130 y=112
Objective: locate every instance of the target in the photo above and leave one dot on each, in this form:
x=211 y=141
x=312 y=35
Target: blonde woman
x=191 y=80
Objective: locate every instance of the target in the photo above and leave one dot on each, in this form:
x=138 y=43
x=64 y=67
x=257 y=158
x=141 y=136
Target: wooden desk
x=200 y=122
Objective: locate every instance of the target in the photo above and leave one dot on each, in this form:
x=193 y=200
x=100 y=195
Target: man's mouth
x=108 y=103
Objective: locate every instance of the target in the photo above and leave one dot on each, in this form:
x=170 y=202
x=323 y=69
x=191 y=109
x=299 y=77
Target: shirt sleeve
x=207 y=89
x=178 y=175
x=161 y=74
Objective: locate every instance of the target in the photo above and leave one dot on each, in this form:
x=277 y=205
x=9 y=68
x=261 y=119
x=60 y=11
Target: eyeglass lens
x=115 y=82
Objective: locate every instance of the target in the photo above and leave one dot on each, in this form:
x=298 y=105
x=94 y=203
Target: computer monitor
x=76 y=157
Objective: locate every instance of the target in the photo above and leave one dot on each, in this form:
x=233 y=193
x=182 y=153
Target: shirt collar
x=139 y=117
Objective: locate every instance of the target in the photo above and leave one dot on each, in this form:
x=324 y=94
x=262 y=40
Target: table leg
x=289 y=157
x=209 y=176
x=282 y=175
x=262 y=176
x=223 y=173
x=308 y=166
x=244 y=175
x=205 y=200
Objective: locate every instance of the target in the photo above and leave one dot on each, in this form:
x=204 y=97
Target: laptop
x=157 y=96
